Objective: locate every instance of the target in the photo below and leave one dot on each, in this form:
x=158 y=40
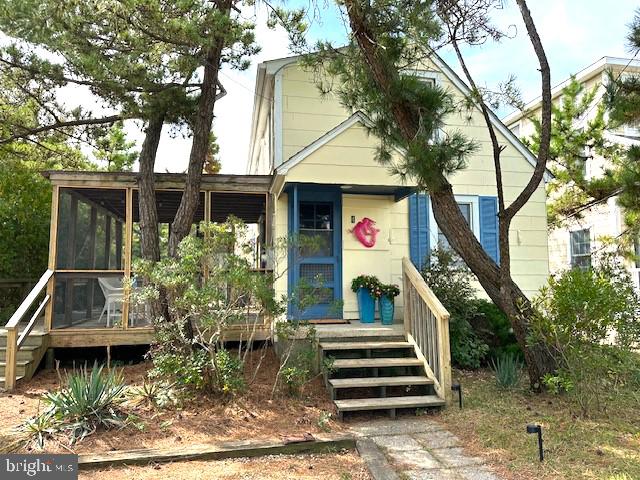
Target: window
x=316 y=221
x=466 y=209
x=581 y=248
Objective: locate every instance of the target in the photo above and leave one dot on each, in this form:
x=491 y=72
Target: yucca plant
x=507 y=369
x=91 y=398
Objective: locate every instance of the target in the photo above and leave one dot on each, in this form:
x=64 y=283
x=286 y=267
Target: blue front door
x=315 y=275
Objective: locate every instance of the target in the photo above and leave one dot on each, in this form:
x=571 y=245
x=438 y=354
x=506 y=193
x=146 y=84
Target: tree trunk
x=148 y=213
x=183 y=220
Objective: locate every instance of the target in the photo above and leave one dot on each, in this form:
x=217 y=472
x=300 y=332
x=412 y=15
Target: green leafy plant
x=507 y=369
x=494 y=328
x=368 y=282
x=450 y=280
x=590 y=320
x=324 y=421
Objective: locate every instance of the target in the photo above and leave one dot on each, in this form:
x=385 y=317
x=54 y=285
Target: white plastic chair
x=113 y=295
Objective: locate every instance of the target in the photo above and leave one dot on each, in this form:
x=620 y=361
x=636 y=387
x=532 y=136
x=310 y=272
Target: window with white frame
x=581 y=248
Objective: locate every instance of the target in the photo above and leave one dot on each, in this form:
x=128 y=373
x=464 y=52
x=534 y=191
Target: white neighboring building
x=576 y=242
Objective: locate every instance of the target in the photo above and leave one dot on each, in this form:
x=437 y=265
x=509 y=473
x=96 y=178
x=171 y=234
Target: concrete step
x=389 y=403
x=376 y=362
x=380 y=381
x=328 y=346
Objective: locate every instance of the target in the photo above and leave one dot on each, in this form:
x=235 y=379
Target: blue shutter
x=418 y=228
x=489 y=226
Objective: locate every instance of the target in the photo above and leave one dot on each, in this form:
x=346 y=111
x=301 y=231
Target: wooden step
x=418 y=401
x=376 y=362
x=18 y=377
x=21 y=366
x=327 y=346
x=380 y=381
x=26 y=352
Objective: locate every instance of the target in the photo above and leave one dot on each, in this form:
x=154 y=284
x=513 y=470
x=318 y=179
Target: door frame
x=301 y=193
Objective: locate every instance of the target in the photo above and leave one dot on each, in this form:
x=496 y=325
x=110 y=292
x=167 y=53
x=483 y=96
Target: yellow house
x=322 y=156
x=311 y=173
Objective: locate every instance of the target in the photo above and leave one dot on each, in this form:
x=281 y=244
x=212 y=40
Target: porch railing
x=426 y=325
x=15 y=341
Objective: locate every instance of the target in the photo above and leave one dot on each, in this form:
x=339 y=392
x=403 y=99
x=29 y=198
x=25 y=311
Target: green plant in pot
x=365 y=287
x=386 y=295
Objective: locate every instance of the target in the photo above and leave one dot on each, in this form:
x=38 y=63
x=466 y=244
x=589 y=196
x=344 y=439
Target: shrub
x=590 y=320
x=494 y=328
x=90 y=399
x=450 y=281
x=507 y=369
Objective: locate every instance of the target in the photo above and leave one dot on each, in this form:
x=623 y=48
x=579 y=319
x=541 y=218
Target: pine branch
x=58 y=125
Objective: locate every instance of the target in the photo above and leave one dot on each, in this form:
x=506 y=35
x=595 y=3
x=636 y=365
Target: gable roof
x=273 y=66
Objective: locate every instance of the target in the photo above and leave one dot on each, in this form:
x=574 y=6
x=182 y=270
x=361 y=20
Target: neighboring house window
x=581 y=248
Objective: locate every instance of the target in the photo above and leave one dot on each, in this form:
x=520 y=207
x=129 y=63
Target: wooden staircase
x=27 y=358
x=23 y=344
x=377 y=375
x=410 y=371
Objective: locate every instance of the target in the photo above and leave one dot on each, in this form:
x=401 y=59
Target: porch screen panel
x=89 y=266
x=88 y=222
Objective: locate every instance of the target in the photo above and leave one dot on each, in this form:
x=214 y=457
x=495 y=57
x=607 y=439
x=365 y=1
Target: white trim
x=474 y=201
x=357 y=117
x=277 y=119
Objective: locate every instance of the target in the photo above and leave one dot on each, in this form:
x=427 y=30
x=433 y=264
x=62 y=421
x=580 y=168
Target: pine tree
x=389 y=38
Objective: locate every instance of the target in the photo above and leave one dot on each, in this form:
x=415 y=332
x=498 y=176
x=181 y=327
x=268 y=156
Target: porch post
x=53 y=239
x=127 y=256
x=207 y=219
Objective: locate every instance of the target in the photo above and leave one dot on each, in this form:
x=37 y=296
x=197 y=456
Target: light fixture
x=346 y=187
x=537 y=429
x=456 y=387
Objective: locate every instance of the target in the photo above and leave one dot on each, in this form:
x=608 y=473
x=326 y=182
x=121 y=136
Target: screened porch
x=95 y=240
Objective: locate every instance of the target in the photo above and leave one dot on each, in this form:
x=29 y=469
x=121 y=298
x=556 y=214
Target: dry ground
x=253 y=415
x=337 y=466
x=493 y=425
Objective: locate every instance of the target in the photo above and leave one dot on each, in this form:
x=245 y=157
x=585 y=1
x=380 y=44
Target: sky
x=575 y=34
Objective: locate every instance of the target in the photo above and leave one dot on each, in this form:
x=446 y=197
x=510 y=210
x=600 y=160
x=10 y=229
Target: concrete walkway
x=416 y=449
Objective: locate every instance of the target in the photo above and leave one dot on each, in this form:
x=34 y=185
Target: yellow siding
x=349 y=158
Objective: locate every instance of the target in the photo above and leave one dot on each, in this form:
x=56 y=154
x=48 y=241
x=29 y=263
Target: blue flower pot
x=387 y=308
x=366 y=305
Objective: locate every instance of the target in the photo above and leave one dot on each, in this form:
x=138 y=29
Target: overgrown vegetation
x=507 y=369
x=590 y=320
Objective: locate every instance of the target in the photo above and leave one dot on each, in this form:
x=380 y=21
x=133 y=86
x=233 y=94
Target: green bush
x=450 y=281
x=495 y=329
x=507 y=369
x=590 y=320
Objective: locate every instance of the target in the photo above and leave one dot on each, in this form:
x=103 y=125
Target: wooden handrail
x=13 y=342
x=26 y=304
x=426 y=325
